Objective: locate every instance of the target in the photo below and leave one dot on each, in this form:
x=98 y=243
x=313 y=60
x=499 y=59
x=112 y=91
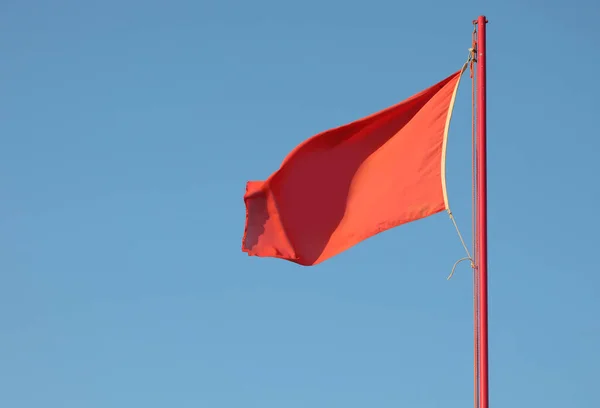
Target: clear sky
x=128 y=131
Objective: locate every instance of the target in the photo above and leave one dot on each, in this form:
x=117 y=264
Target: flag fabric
x=349 y=183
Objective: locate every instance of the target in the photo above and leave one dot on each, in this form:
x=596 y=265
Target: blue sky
x=129 y=130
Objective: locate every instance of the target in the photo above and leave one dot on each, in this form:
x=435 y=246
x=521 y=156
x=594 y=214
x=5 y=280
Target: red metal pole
x=482 y=214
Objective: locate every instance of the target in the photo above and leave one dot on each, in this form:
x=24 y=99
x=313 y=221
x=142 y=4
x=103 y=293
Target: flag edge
x=445 y=137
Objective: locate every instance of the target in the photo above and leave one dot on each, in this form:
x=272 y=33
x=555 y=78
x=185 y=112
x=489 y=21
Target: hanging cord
x=470 y=61
x=462 y=241
x=474 y=230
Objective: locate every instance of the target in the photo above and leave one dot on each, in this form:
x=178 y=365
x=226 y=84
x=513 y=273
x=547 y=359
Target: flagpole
x=482 y=267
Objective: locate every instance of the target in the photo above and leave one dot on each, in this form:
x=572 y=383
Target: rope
x=467 y=258
x=462 y=241
x=471 y=59
x=474 y=193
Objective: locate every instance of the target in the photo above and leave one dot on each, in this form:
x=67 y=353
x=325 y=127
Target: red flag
x=347 y=184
